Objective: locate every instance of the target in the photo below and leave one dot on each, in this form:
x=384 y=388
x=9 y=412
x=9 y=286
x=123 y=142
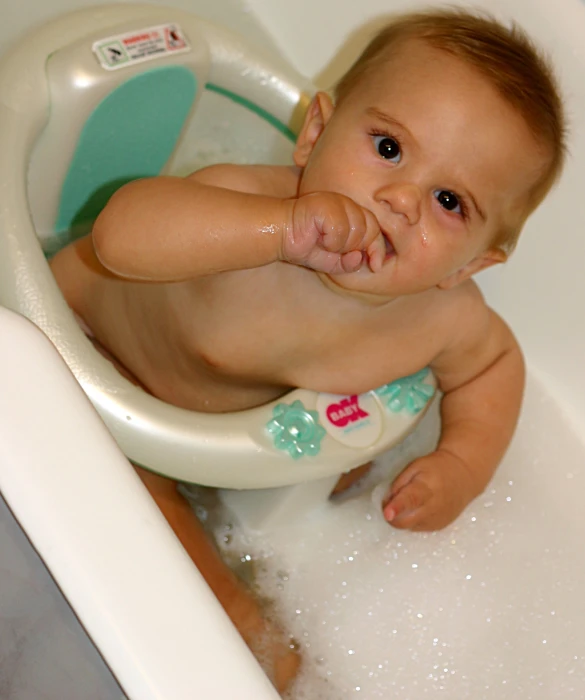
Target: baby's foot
x=276 y=652
x=286 y=660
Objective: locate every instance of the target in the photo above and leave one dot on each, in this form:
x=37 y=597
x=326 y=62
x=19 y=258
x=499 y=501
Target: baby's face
x=443 y=162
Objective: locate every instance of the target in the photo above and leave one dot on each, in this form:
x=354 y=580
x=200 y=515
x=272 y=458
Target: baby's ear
x=494 y=256
x=318 y=114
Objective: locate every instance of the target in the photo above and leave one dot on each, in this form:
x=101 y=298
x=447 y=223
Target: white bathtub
x=159 y=630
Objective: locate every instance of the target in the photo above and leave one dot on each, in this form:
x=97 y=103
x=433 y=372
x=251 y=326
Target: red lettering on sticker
x=346 y=411
x=135 y=39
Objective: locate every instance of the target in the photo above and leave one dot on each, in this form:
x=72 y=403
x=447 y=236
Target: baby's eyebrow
x=478 y=209
x=382 y=116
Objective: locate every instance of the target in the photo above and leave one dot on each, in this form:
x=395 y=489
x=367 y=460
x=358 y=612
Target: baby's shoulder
x=269 y=180
x=463 y=307
x=467 y=320
x=475 y=336
x=464 y=299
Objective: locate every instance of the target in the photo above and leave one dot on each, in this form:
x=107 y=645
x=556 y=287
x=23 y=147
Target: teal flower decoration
x=296 y=430
x=409 y=393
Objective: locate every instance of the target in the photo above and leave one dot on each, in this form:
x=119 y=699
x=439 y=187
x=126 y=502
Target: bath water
x=491 y=607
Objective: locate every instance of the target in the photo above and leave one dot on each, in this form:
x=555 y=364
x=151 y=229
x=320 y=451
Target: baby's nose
x=403 y=198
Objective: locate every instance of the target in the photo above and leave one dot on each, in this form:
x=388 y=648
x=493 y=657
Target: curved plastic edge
x=136 y=592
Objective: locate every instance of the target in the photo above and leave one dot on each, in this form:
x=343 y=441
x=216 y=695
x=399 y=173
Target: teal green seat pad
x=130 y=134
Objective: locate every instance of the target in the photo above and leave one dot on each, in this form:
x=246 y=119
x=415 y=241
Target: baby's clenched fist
x=330 y=233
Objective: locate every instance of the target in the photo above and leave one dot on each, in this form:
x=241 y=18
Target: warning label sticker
x=142 y=45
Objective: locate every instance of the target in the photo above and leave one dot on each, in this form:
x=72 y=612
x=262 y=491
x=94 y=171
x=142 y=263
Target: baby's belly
x=180 y=376
x=215 y=368
x=210 y=394
x=140 y=328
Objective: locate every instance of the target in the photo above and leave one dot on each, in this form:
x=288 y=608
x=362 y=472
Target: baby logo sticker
x=346 y=411
x=353 y=420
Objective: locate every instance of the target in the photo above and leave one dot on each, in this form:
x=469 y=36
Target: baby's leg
x=350 y=478
x=267 y=642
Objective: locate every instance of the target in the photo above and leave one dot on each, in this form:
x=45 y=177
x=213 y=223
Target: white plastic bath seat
x=106 y=95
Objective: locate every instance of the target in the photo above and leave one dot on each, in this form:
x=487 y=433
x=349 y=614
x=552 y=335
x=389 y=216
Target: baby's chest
x=359 y=363
x=312 y=343
x=327 y=358
x=246 y=342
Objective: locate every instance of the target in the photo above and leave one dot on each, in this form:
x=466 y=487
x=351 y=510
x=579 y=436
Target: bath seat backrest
x=114 y=118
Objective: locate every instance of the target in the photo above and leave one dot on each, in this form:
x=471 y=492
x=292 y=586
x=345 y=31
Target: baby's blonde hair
x=505 y=56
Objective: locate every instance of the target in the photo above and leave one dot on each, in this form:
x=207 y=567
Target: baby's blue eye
x=448 y=200
x=388 y=148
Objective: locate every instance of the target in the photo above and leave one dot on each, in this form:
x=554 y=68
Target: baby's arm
x=482 y=378
x=171 y=229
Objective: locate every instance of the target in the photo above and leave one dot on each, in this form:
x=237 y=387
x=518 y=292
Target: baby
x=223 y=290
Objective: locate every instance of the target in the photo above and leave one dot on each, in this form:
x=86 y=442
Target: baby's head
x=449 y=124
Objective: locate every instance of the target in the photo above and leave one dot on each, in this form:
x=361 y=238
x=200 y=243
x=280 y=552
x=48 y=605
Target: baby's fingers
x=373 y=241
x=351 y=261
x=376 y=252
x=335 y=263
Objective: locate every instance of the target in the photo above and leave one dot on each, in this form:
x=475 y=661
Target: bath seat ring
x=97 y=98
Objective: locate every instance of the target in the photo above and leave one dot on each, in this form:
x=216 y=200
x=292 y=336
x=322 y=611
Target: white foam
x=491 y=607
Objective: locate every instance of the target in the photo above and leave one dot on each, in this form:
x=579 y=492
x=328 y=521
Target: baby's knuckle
x=339 y=227
x=413 y=500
